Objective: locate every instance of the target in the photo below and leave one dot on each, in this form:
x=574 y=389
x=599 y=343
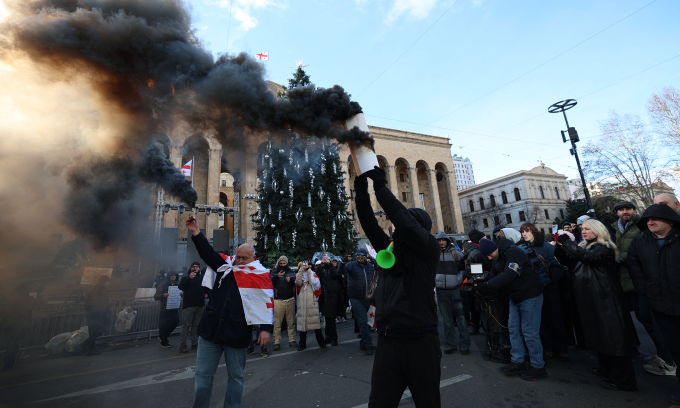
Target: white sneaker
x=660 y=367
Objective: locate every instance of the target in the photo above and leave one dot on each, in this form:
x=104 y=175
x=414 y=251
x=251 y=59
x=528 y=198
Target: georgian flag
x=263 y=56
x=186 y=169
x=255 y=286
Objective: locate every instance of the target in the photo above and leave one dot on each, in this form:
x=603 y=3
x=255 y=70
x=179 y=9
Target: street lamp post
x=562 y=106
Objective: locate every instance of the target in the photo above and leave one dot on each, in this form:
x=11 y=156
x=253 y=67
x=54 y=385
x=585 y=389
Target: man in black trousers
x=408 y=352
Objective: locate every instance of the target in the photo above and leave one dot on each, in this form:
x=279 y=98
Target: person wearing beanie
x=654 y=265
x=359 y=274
x=513 y=273
x=408 y=352
x=475 y=236
x=283 y=279
x=169 y=318
x=193 y=302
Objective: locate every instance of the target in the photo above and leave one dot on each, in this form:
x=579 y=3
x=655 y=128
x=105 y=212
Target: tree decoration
x=322 y=194
x=298 y=215
x=279 y=215
x=277 y=241
x=309 y=200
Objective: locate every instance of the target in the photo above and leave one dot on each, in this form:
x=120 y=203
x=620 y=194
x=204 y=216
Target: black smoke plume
x=143 y=59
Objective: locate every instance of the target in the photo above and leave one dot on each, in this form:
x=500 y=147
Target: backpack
x=540 y=265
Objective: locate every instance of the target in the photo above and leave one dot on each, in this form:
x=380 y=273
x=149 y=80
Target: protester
x=160 y=278
x=572 y=319
x=283 y=280
x=331 y=293
x=342 y=310
x=169 y=318
x=96 y=311
x=408 y=353
x=553 y=333
x=226 y=325
x=359 y=276
x=654 y=266
x=308 y=315
x=668 y=199
x=566 y=227
x=193 y=302
x=15 y=321
x=607 y=325
x=447 y=282
x=512 y=272
x=626 y=229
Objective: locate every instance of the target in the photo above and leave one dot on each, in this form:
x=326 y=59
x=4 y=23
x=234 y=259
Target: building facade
x=537 y=196
x=462 y=168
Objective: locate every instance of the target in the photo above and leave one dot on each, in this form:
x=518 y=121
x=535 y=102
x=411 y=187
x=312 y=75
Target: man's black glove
x=563 y=238
x=482 y=288
x=361 y=184
x=378 y=176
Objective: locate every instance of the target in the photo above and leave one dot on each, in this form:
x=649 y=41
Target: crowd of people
x=532 y=295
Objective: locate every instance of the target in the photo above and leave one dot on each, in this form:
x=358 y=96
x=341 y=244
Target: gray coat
x=448 y=276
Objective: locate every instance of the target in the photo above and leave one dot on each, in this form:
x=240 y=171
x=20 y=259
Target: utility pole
x=562 y=106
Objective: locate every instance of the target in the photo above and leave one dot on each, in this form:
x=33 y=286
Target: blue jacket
x=359 y=277
x=224 y=320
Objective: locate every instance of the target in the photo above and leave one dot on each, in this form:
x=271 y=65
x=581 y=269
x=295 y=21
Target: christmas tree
x=302 y=206
x=300 y=78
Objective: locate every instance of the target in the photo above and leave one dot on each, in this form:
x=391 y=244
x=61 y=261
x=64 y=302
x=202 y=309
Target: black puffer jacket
x=331 y=300
x=520 y=282
x=655 y=270
x=404 y=300
x=607 y=325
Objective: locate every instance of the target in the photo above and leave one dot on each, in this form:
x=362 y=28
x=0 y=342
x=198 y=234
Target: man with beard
x=408 y=352
x=626 y=229
x=283 y=280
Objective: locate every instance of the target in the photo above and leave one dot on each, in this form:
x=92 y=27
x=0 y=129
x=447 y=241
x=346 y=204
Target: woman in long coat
x=607 y=325
x=331 y=295
x=308 y=315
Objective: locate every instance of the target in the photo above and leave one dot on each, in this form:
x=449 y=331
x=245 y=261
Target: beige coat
x=308 y=315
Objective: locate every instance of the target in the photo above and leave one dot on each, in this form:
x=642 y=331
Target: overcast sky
x=482 y=72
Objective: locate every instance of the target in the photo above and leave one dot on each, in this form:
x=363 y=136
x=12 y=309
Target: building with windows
x=537 y=196
x=462 y=168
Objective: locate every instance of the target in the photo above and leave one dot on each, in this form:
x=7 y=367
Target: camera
x=478 y=275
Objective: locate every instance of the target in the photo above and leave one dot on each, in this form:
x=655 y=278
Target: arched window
x=557 y=193
x=492 y=199
x=504 y=197
x=540 y=190
x=472 y=206
x=481 y=203
x=517 y=196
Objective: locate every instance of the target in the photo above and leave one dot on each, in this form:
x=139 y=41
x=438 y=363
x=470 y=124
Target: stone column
x=434 y=191
x=455 y=202
x=415 y=191
x=392 y=177
x=214 y=166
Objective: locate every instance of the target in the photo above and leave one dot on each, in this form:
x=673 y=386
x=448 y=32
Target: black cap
x=195 y=263
x=476 y=235
x=622 y=204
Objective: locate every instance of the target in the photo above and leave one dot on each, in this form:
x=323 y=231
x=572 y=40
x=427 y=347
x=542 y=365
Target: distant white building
x=465 y=176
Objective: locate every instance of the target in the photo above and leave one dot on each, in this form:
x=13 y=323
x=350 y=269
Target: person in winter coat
x=513 y=273
x=553 y=334
x=408 y=352
x=193 y=302
x=331 y=292
x=283 y=279
x=96 y=311
x=448 y=281
x=359 y=276
x=654 y=266
x=496 y=230
x=342 y=307
x=607 y=325
x=509 y=233
x=626 y=229
x=308 y=314
x=169 y=318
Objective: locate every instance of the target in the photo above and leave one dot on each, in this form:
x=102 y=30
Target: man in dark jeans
x=408 y=352
x=359 y=276
x=169 y=318
x=654 y=266
x=223 y=328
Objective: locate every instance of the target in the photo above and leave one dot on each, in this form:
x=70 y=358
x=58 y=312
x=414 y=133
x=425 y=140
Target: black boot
x=501 y=355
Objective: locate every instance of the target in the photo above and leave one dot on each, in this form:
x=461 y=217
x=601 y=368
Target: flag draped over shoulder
x=254 y=285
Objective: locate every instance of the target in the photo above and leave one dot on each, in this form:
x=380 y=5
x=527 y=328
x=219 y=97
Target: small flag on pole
x=186 y=169
x=263 y=56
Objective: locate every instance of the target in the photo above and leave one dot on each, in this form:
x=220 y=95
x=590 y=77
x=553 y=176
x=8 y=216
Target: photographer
x=408 y=352
x=512 y=271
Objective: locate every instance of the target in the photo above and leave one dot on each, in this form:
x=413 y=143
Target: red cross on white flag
x=263 y=56
x=186 y=169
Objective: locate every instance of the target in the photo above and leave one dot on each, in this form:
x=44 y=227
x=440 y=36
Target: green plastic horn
x=385 y=258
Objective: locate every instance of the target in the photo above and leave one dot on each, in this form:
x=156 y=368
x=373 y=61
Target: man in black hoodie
x=512 y=272
x=193 y=296
x=654 y=266
x=408 y=352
